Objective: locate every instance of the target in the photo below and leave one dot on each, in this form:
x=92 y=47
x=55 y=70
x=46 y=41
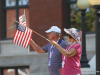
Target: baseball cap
x=54 y=29
x=75 y=33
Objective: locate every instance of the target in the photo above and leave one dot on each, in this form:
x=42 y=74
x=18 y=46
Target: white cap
x=54 y=29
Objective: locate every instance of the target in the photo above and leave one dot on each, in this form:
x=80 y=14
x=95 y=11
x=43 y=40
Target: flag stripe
x=18 y=36
x=21 y=35
x=23 y=38
x=23 y=41
x=29 y=39
x=26 y=39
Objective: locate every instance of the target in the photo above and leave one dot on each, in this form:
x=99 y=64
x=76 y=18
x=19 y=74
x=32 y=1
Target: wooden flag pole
x=26 y=26
x=35 y=32
x=25 y=17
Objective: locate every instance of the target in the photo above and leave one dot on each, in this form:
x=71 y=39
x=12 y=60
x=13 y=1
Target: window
x=10 y=3
x=11 y=10
x=23 y=2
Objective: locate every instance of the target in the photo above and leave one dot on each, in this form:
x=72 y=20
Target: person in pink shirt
x=71 y=56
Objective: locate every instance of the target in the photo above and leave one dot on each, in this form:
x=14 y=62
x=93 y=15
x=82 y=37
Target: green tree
x=89 y=20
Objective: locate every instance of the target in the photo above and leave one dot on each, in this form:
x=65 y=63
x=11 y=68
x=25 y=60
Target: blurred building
x=40 y=16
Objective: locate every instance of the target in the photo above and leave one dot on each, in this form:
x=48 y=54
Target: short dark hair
x=69 y=36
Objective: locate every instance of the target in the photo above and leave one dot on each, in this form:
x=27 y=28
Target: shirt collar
x=58 y=41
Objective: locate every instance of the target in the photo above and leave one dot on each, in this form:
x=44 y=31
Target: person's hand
x=59 y=71
x=53 y=42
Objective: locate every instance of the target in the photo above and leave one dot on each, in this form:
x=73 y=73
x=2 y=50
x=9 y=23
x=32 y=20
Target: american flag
x=23 y=34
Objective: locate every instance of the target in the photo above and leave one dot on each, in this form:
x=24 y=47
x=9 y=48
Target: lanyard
x=51 y=51
x=69 y=48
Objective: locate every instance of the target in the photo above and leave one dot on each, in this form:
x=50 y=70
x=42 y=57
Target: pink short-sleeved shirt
x=72 y=64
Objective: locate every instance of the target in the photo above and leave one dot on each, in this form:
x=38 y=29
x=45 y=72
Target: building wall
x=43 y=14
x=37 y=62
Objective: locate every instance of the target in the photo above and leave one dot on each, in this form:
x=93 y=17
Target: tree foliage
x=89 y=20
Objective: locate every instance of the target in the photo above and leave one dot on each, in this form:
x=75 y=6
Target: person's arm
x=69 y=53
x=36 y=47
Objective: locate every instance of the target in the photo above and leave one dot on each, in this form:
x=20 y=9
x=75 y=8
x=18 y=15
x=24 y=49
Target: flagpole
x=25 y=17
x=35 y=32
x=26 y=26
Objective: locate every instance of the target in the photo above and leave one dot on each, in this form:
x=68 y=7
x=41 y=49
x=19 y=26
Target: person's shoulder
x=47 y=45
x=77 y=44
